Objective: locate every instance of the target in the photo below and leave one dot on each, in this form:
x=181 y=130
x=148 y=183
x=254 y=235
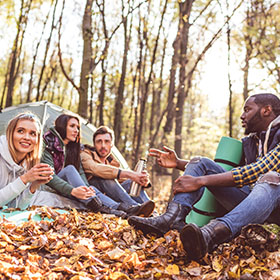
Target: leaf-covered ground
x=83 y=245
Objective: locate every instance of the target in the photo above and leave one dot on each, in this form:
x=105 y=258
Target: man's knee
x=203 y=160
x=195 y=160
x=270 y=177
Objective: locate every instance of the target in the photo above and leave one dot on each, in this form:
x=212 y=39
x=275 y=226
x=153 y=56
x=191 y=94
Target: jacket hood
x=53 y=140
x=275 y=122
x=6 y=156
x=53 y=131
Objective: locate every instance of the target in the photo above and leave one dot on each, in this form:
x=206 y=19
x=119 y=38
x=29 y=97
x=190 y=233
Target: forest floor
x=84 y=245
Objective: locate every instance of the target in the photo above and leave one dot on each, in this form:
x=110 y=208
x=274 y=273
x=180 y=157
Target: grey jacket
x=13 y=192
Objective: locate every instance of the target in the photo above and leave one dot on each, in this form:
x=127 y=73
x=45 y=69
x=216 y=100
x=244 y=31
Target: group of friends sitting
x=55 y=169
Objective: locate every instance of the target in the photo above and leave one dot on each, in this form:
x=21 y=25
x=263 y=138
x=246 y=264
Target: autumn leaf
x=116 y=254
x=133 y=261
x=104 y=245
x=216 y=264
x=172 y=269
x=118 y=276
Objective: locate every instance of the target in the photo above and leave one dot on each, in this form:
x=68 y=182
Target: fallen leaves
x=84 y=245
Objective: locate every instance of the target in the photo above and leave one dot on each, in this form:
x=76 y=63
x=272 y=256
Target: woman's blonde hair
x=32 y=157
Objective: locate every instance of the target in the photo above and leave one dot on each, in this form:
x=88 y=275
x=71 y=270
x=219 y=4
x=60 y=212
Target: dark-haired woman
x=62 y=151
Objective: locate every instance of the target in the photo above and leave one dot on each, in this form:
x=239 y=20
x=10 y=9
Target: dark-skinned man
x=259 y=118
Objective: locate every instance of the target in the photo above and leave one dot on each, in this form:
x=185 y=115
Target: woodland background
x=138 y=65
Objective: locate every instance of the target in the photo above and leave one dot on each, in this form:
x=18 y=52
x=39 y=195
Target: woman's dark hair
x=72 y=148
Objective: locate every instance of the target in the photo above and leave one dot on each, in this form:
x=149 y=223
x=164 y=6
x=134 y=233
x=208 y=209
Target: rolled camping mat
x=228 y=155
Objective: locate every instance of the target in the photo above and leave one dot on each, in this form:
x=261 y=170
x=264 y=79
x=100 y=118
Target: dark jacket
x=54 y=154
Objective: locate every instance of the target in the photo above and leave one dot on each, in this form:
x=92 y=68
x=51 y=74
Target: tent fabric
x=19 y=217
x=47 y=113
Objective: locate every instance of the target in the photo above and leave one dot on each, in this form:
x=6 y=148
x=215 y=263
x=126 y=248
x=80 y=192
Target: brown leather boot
x=198 y=241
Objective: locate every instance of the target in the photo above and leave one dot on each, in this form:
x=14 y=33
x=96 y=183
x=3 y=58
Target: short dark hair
x=263 y=99
x=104 y=130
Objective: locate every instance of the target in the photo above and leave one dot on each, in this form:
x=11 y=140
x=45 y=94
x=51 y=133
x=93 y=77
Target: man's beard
x=251 y=124
x=102 y=155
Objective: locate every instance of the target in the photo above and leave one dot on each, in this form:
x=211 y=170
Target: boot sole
x=145 y=209
x=193 y=241
x=146 y=229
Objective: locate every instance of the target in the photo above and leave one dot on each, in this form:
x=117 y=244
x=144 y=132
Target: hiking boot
x=107 y=210
x=173 y=218
x=198 y=241
x=144 y=209
x=94 y=203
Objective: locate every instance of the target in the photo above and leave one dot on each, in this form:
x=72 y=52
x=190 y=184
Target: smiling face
x=72 y=130
x=25 y=137
x=103 y=145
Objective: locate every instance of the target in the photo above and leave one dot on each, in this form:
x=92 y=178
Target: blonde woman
x=21 y=172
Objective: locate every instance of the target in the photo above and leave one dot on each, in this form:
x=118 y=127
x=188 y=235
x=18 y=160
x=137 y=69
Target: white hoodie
x=13 y=192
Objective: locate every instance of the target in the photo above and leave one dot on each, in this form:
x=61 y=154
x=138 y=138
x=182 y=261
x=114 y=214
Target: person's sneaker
x=145 y=209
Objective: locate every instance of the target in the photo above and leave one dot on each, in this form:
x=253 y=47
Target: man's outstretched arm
x=239 y=176
x=168 y=158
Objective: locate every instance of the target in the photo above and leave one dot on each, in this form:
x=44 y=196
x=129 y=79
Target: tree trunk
x=30 y=84
x=15 y=62
x=137 y=90
x=102 y=92
x=120 y=93
x=156 y=100
x=145 y=95
x=172 y=79
x=87 y=60
x=46 y=53
x=103 y=58
x=248 y=55
x=185 y=10
x=231 y=108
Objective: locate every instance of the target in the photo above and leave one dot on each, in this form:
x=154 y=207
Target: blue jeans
x=143 y=197
x=260 y=205
x=197 y=167
x=117 y=191
x=245 y=206
x=72 y=176
x=228 y=197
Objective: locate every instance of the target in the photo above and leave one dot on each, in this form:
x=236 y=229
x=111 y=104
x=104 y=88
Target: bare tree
x=120 y=92
x=30 y=84
x=147 y=84
x=53 y=25
x=87 y=58
x=13 y=67
x=103 y=65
